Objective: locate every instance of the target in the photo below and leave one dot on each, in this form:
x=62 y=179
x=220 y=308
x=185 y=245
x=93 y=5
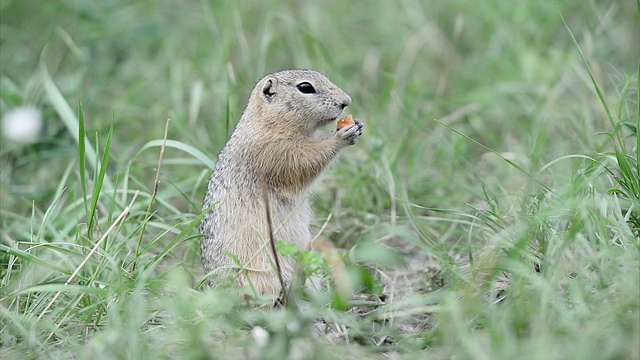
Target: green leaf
x=100 y=179
x=179 y=146
x=26 y=256
x=66 y=115
x=82 y=157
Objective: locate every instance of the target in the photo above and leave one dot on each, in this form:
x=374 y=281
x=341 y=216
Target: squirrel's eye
x=306 y=88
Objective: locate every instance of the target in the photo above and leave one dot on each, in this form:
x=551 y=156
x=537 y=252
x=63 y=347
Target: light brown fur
x=276 y=139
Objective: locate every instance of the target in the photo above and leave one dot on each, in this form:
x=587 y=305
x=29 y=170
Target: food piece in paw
x=346 y=121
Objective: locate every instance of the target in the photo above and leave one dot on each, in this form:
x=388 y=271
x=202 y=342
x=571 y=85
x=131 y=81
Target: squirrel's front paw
x=350 y=134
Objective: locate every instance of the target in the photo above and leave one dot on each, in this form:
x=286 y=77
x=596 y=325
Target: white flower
x=260 y=336
x=22 y=125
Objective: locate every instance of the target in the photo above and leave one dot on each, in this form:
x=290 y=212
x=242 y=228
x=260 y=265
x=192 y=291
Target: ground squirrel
x=276 y=139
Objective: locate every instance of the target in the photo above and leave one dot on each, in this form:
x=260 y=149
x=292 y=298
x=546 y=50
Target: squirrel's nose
x=346 y=102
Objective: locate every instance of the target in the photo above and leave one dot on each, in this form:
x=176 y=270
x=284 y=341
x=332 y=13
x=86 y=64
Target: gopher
x=277 y=141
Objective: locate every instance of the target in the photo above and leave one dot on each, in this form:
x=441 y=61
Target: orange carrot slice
x=346 y=121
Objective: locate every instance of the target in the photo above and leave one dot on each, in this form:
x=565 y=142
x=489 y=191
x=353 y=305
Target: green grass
x=490 y=211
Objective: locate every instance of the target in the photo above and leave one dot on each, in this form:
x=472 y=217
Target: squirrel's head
x=301 y=99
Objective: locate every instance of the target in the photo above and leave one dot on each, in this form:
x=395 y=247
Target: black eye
x=306 y=88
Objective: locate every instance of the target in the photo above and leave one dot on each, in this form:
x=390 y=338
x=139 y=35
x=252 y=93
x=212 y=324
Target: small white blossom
x=22 y=125
x=260 y=336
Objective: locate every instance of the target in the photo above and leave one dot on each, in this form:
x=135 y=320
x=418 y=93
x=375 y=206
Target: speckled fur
x=275 y=139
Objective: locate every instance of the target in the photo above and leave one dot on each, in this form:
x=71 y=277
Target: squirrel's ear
x=269 y=89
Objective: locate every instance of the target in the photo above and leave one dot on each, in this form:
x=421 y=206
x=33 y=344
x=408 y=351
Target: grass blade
x=153 y=195
x=66 y=115
x=81 y=157
x=120 y=218
x=638 y=109
x=593 y=78
x=47 y=214
x=28 y=257
x=516 y=166
x=177 y=240
x=178 y=145
x=101 y=178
